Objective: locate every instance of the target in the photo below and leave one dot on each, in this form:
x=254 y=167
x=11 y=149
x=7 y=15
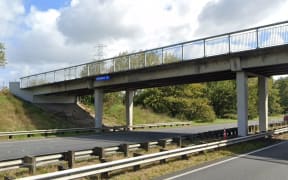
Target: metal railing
x=248 y=39
x=135 y=162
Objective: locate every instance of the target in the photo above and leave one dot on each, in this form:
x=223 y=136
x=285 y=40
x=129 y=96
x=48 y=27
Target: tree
x=252 y=98
x=181 y=101
x=222 y=95
x=282 y=85
x=274 y=106
x=2 y=55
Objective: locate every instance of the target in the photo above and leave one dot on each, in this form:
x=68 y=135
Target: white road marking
x=224 y=161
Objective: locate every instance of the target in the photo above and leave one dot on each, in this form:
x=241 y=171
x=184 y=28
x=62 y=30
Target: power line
x=99 y=51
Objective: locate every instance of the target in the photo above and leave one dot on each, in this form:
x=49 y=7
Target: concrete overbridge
x=257 y=52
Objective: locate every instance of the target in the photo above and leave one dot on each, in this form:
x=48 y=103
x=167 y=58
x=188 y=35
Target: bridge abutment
x=242 y=102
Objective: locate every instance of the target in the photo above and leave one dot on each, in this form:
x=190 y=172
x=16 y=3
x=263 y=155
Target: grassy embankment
x=19 y=115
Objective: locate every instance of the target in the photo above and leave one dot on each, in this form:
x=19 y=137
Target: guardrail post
x=145 y=146
x=125 y=149
x=162 y=143
x=192 y=138
x=163 y=161
x=70 y=158
x=104 y=175
x=30 y=163
x=99 y=151
x=136 y=167
x=178 y=141
x=61 y=168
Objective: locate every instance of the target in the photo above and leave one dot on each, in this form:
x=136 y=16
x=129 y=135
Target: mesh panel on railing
x=243 y=41
x=154 y=57
x=172 y=54
x=193 y=50
x=137 y=61
x=216 y=46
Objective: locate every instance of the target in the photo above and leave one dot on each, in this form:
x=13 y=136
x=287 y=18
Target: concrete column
x=263 y=103
x=242 y=103
x=129 y=109
x=98 y=103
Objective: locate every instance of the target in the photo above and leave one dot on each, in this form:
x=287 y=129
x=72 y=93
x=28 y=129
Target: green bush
x=184 y=102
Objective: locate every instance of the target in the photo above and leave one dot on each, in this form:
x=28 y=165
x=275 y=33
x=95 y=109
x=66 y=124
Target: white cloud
x=92 y=20
x=10 y=12
x=220 y=16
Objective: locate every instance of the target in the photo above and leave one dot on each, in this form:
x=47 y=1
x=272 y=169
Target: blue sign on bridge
x=103 y=78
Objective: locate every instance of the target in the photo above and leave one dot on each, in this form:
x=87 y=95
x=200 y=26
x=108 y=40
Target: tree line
x=204 y=101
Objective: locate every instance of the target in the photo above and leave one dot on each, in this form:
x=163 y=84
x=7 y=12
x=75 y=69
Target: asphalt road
x=35 y=147
x=268 y=164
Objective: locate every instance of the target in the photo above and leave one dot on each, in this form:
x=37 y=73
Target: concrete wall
x=29 y=96
x=26 y=95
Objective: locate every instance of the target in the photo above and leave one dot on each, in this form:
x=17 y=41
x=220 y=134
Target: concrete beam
x=242 y=103
x=129 y=109
x=98 y=103
x=263 y=103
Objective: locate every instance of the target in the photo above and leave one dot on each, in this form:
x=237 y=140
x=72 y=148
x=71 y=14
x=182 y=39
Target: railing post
x=182 y=52
x=229 y=43
x=204 y=48
x=114 y=65
x=145 y=59
x=129 y=63
x=162 y=52
x=257 y=39
x=99 y=64
x=88 y=70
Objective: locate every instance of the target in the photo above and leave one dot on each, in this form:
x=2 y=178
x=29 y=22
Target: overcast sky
x=42 y=35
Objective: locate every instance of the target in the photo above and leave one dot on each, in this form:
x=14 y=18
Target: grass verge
x=174 y=165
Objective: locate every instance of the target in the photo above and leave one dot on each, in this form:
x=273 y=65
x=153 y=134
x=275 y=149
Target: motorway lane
x=35 y=147
x=268 y=164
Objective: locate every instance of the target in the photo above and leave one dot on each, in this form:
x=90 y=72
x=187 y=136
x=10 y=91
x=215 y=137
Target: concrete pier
x=242 y=102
